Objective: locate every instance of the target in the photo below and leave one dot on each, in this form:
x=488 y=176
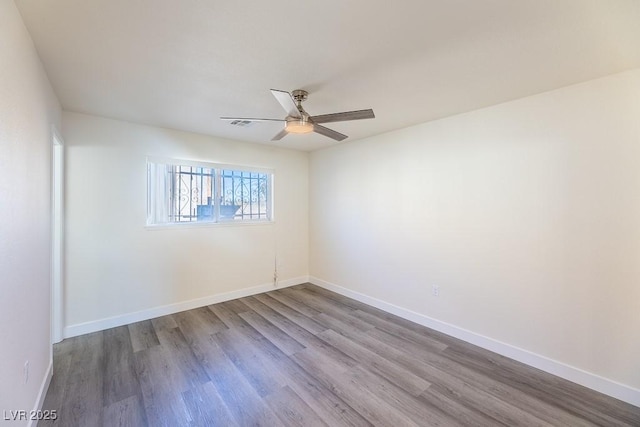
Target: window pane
x=192 y=194
x=244 y=195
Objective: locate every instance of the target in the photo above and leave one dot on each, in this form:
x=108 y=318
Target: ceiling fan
x=299 y=121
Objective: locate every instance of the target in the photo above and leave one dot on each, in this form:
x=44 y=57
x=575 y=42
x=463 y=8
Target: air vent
x=241 y=123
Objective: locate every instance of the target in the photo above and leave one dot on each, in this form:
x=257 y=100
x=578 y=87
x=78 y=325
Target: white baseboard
x=595 y=382
x=42 y=393
x=125 y=319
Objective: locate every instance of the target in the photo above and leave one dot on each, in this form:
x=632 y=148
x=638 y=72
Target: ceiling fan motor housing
x=300 y=95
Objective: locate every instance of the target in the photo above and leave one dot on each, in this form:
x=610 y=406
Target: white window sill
x=177 y=226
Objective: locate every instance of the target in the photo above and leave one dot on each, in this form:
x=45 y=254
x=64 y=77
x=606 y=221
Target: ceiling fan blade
x=328 y=132
x=251 y=119
x=342 y=117
x=280 y=135
x=288 y=103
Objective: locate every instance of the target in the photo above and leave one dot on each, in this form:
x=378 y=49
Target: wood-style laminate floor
x=305 y=356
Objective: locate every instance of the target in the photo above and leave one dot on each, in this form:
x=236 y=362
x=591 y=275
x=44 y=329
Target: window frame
x=217 y=168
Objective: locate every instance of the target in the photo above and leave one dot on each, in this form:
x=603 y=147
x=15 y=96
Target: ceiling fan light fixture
x=295 y=125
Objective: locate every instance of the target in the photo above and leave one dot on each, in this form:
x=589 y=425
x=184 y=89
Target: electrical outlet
x=26 y=372
x=435 y=290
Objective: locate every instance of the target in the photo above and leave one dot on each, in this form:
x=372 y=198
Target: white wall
x=28 y=110
x=116 y=267
x=526 y=214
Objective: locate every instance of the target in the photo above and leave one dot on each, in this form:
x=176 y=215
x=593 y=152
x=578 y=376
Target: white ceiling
x=183 y=63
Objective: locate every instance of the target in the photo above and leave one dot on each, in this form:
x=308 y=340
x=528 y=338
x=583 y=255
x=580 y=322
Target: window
x=185 y=192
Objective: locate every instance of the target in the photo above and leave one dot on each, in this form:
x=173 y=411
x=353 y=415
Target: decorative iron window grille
x=194 y=192
x=249 y=191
